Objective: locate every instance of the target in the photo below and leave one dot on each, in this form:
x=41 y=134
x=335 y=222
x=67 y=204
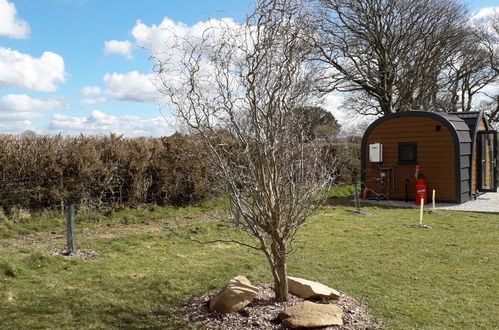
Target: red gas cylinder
x=421 y=192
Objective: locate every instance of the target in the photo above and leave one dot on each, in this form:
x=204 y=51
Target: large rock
x=311 y=315
x=234 y=297
x=310 y=290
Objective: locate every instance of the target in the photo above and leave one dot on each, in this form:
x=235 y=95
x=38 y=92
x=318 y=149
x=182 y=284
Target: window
x=408 y=153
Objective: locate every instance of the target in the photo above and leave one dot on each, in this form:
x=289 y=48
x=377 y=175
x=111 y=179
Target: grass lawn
x=445 y=277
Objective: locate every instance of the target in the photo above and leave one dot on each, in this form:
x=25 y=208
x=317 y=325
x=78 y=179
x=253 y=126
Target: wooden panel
x=436 y=156
x=482 y=126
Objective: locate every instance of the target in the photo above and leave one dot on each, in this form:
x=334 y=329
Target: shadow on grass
x=349 y=202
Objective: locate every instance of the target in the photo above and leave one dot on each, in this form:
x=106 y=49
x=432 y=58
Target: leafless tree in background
x=466 y=73
x=237 y=88
x=491 y=32
x=389 y=53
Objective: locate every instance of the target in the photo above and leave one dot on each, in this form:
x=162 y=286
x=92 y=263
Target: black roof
x=461 y=126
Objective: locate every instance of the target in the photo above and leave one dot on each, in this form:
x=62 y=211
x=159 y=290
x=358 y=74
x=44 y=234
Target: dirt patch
x=420 y=226
x=80 y=254
x=263 y=311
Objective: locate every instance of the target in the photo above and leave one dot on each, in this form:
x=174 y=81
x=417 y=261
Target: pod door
x=487 y=161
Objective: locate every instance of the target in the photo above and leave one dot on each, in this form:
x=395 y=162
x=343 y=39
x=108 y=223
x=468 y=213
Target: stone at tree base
x=311 y=315
x=306 y=289
x=234 y=297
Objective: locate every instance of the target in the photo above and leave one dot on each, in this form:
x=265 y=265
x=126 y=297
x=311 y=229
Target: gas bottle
x=421 y=191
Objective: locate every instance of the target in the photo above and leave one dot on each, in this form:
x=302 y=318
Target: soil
x=263 y=310
x=79 y=254
x=420 y=226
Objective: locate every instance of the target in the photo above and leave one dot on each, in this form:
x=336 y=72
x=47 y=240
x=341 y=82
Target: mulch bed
x=263 y=311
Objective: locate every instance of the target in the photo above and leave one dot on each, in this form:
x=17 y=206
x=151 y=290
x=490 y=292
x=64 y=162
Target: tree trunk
x=280 y=271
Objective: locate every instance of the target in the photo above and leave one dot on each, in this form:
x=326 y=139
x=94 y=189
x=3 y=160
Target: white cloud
x=131 y=86
x=166 y=40
x=332 y=103
x=19 y=70
x=22 y=102
x=16 y=127
x=11 y=25
x=123 y=48
x=163 y=36
x=100 y=123
x=95 y=100
x=90 y=91
x=484 y=14
x=348 y=119
x=21 y=107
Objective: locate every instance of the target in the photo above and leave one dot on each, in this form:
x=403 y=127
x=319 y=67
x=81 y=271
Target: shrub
x=101 y=172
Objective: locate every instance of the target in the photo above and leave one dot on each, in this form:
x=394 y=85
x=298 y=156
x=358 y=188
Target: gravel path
x=488 y=202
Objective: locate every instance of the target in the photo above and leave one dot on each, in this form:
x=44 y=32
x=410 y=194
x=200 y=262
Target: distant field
x=445 y=277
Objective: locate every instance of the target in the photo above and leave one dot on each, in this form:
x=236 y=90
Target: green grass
x=410 y=278
x=51 y=220
x=341 y=191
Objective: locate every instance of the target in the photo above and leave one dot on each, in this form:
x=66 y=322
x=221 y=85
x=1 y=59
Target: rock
x=310 y=290
x=311 y=315
x=234 y=297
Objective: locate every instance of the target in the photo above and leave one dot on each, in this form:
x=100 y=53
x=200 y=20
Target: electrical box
x=376 y=153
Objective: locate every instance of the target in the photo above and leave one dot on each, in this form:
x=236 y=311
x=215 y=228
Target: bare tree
x=491 y=32
x=389 y=51
x=237 y=87
x=467 y=73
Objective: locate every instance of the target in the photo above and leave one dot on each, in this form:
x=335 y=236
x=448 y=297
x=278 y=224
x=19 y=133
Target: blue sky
x=73 y=66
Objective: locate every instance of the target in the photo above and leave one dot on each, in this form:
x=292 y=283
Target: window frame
x=412 y=161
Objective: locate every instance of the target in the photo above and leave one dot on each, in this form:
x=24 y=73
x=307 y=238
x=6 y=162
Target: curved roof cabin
x=456 y=153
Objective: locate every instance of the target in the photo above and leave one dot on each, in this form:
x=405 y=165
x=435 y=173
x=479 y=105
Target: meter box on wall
x=376 y=153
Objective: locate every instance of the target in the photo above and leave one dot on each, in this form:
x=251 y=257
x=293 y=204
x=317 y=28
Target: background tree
x=237 y=87
x=317 y=123
x=490 y=28
x=390 y=53
x=466 y=74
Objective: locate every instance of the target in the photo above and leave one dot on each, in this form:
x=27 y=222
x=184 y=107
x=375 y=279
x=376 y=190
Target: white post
x=433 y=200
x=421 y=212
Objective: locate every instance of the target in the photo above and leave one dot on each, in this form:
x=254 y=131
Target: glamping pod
x=453 y=153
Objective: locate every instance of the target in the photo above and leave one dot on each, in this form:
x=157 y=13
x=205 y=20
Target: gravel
x=488 y=203
x=263 y=311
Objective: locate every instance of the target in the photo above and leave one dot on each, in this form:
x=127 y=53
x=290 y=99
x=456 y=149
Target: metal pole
x=433 y=200
x=421 y=212
x=70 y=228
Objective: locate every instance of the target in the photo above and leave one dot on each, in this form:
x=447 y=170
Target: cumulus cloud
x=164 y=39
x=16 y=127
x=484 y=14
x=90 y=91
x=10 y=24
x=21 y=107
x=131 y=86
x=19 y=70
x=94 y=100
x=100 y=123
x=163 y=36
x=123 y=48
